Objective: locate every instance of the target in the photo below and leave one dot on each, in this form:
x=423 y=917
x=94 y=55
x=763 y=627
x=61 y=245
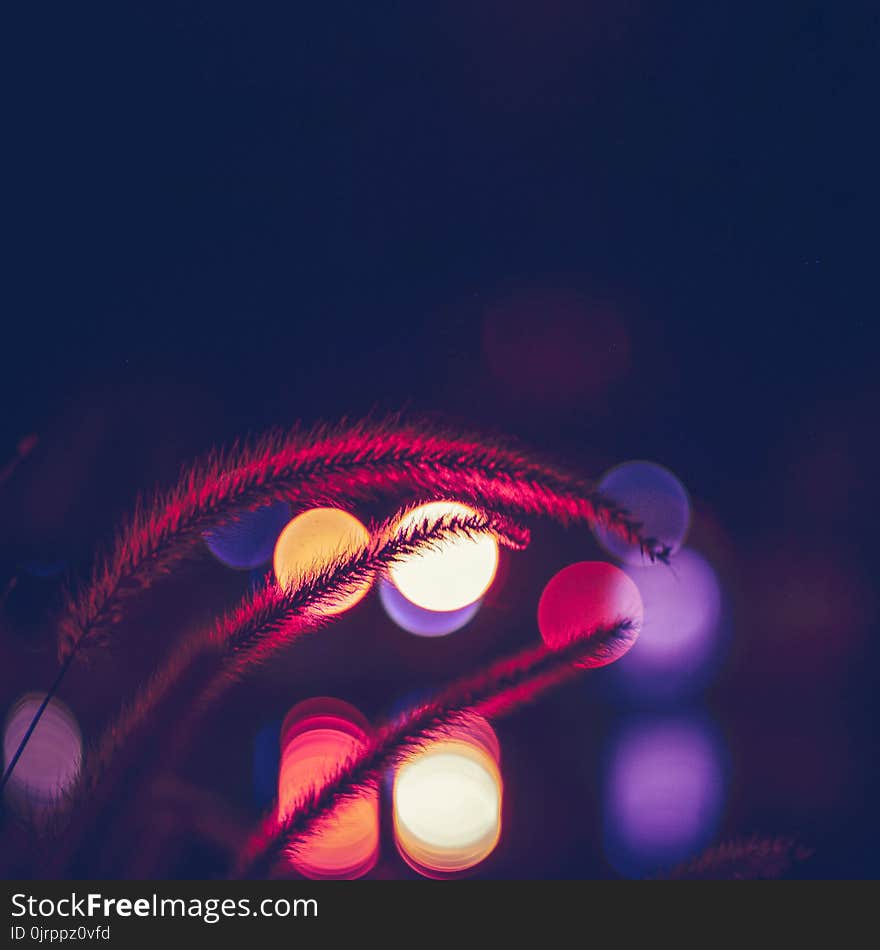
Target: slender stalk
x=492 y=692
x=337 y=467
x=53 y=689
x=202 y=665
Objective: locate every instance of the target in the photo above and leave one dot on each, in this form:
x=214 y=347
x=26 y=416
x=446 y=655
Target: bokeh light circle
x=682 y=635
x=421 y=622
x=312 y=540
x=664 y=793
x=653 y=496
x=453 y=573
x=447 y=801
x=587 y=596
x=248 y=541
x=316 y=735
x=51 y=759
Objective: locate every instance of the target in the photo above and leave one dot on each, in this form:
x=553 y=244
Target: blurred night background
x=610 y=230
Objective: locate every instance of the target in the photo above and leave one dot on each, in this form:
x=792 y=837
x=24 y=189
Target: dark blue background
x=222 y=217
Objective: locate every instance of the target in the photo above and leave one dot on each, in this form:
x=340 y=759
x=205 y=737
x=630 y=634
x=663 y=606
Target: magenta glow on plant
x=682 y=633
x=418 y=620
x=447 y=800
x=453 y=573
x=653 y=496
x=664 y=794
x=495 y=691
x=316 y=735
x=344 y=464
x=585 y=596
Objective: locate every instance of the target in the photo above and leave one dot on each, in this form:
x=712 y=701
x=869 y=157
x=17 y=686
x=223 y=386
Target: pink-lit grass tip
x=586 y=597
